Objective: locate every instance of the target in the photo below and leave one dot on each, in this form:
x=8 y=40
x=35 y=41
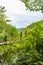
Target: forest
x=20 y=47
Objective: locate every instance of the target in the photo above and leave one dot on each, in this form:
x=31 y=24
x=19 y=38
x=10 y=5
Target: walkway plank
x=4 y=43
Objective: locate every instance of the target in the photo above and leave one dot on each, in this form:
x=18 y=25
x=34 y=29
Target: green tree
x=6 y=51
x=33 y=5
x=30 y=52
x=3 y=17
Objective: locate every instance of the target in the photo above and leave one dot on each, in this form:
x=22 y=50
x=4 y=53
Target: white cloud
x=13 y=6
x=17 y=13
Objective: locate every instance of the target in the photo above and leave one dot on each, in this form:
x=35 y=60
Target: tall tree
x=3 y=17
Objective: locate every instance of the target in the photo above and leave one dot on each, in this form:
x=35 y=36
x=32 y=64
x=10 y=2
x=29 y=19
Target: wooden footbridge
x=2 y=43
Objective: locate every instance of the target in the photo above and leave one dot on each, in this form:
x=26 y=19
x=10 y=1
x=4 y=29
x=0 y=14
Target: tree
x=6 y=52
x=12 y=32
x=30 y=52
x=33 y=5
x=3 y=17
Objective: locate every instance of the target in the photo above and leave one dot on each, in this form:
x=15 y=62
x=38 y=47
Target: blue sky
x=17 y=12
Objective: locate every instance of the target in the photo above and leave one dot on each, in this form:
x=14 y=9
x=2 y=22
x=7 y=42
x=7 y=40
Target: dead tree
x=20 y=36
x=25 y=33
x=5 y=39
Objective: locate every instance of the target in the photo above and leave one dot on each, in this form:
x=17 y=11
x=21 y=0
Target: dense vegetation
x=8 y=33
x=28 y=51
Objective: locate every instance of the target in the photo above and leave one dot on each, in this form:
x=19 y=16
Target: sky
x=16 y=11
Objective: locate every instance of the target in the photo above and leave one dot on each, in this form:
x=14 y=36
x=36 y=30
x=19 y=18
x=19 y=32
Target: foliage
x=33 y=5
x=5 y=28
x=29 y=51
x=10 y=32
